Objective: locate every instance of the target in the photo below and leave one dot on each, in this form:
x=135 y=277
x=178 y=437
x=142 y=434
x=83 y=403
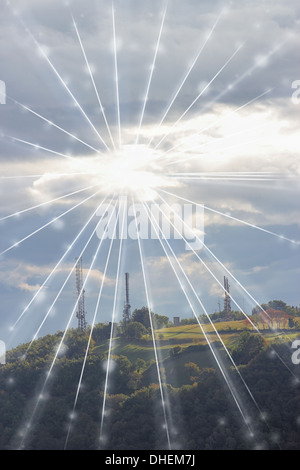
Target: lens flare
x=133 y=170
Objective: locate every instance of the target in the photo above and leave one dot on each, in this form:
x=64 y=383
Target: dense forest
x=255 y=406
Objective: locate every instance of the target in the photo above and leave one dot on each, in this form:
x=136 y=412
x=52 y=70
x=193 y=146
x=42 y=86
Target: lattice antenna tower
x=127 y=306
x=227 y=299
x=80 y=314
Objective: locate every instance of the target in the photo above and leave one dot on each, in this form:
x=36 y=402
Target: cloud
x=261 y=139
x=29 y=277
x=233 y=127
x=204 y=278
x=22 y=276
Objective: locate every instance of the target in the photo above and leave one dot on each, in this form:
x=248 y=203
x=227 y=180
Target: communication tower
x=80 y=314
x=127 y=306
x=227 y=300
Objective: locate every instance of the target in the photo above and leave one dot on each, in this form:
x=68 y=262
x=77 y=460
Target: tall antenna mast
x=127 y=306
x=80 y=314
x=227 y=300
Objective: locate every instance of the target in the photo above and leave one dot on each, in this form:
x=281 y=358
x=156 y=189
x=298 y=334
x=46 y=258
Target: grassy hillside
x=166 y=339
x=229 y=333
x=191 y=344
x=197 y=394
x=188 y=335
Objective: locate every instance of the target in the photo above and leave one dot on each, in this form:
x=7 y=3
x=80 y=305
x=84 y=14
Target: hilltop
x=201 y=407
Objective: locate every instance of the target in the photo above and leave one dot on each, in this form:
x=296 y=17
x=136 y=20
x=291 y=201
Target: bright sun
x=135 y=170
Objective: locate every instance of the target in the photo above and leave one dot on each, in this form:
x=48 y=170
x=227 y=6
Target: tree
x=193 y=321
x=174 y=352
x=160 y=321
x=277 y=305
x=291 y=322
x=248 y=346
x=124 y=365
x=275 y=314
x=272 y=304
x=76 y=343
x=141 y=315
x=140 y=365
x=135 y=330
x=193 y=370
x=275 y=317
x=101 y=331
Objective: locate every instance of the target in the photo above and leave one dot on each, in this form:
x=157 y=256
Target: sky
x=179 y=102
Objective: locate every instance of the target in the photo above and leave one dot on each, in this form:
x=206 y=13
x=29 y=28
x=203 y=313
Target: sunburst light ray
x=113 y=317
x=283 y=334
x=96 y=311
x=248 y=318
x=94 y=85
x=39 y=147
x=157 y=362
x=187 y=74
x=223 y=214
x=256 y=66
x=219 y=120
x=55 y=219
x=66 y=87
x=42 y=204
x=199 y=95
x=221 y=368
x=54 y=125
x=53 y=271
x=151 y=73
x=145 y=173
x=51 y=367
x=116 y=75
x=202 y=305
x=71 y=271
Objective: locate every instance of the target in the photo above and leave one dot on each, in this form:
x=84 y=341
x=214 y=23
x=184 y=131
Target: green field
x=188 y=335
x=192 y=346
x=183 y=366
x=227 y=331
